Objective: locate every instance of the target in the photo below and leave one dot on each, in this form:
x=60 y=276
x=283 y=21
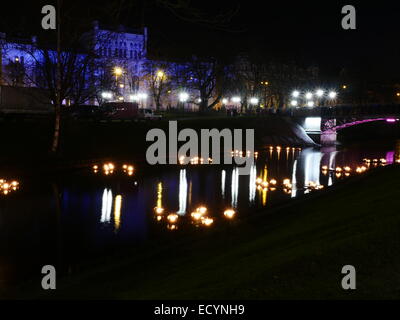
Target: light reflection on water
x=98 y=212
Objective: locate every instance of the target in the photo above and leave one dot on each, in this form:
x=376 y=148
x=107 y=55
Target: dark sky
x=308 y=32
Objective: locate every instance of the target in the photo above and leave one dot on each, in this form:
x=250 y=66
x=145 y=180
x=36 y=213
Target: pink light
x=391 y=120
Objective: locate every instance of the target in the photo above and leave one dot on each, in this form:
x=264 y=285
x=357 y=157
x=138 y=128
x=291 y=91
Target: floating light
x=207 y=221
x=229 y=213
x=173 y=217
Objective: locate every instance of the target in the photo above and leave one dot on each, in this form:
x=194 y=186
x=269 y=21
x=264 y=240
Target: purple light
x=350 y=124
x=390 y=157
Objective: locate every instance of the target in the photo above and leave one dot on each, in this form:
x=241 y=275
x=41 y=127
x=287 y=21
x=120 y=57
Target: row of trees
x=210 y=80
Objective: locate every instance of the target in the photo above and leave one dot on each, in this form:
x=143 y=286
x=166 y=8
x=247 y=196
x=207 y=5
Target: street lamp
x=142 y=96
x=224 y=101
x=106 y=95
x=183 y=97
x=293 y=103
x=310 y=104
x=332 y=95
x=320 y=93
x=295 y=94
x=254 y=101
x=309 y=95
x=160 y=74
x=118 y=71
x=236 y=99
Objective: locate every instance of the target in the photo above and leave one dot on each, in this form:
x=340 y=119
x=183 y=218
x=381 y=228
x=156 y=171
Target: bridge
x=327 y=121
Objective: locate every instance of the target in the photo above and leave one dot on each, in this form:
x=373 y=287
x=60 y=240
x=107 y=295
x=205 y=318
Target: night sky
x=306 y=32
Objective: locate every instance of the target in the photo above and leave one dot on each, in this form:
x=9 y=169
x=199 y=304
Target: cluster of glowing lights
x=109 y=168
x=309 y=96
x=279 y=148
x=272 y=185
x=381 y=161
x=240 y=154
x=194 y=160
x=287 y=186
x=347 y=170
x=263 y=184
x=340 y=171
x=318 y=93
x=8 y=187
x=128 y=169
x=199 y=217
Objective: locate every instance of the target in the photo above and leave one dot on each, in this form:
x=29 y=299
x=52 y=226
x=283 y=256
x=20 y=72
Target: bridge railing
x=348 y=111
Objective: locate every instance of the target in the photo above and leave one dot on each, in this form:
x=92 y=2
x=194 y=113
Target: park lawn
x=295 y=251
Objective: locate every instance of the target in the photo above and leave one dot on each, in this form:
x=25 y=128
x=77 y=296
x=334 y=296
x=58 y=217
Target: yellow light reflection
x=117 y=212
x=159 y=195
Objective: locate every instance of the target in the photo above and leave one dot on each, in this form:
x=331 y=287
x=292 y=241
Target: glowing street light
x=296 y=94
x=106 y=95
x=224 y=101
x=118 y=71
x=332 y=95
x=236 y=99
x=183 y=97
x=160 y=74
x=254 y=101
x=310 y=104
x=293 y=103
x=320 y=93
x=309 y=95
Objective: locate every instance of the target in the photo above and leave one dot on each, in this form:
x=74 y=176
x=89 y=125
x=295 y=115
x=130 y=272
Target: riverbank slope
x=293 y=252
x=29 y=140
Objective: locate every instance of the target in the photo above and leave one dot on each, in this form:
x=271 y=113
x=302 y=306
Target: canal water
x=109 y=206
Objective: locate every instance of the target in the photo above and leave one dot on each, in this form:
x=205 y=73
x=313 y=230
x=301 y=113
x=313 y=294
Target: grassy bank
x=292 y=252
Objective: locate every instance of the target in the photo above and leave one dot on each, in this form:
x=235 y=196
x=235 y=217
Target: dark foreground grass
x=294 y=252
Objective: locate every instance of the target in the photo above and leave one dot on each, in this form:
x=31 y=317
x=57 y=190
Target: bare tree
x=159 y=79
x=206 y=77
